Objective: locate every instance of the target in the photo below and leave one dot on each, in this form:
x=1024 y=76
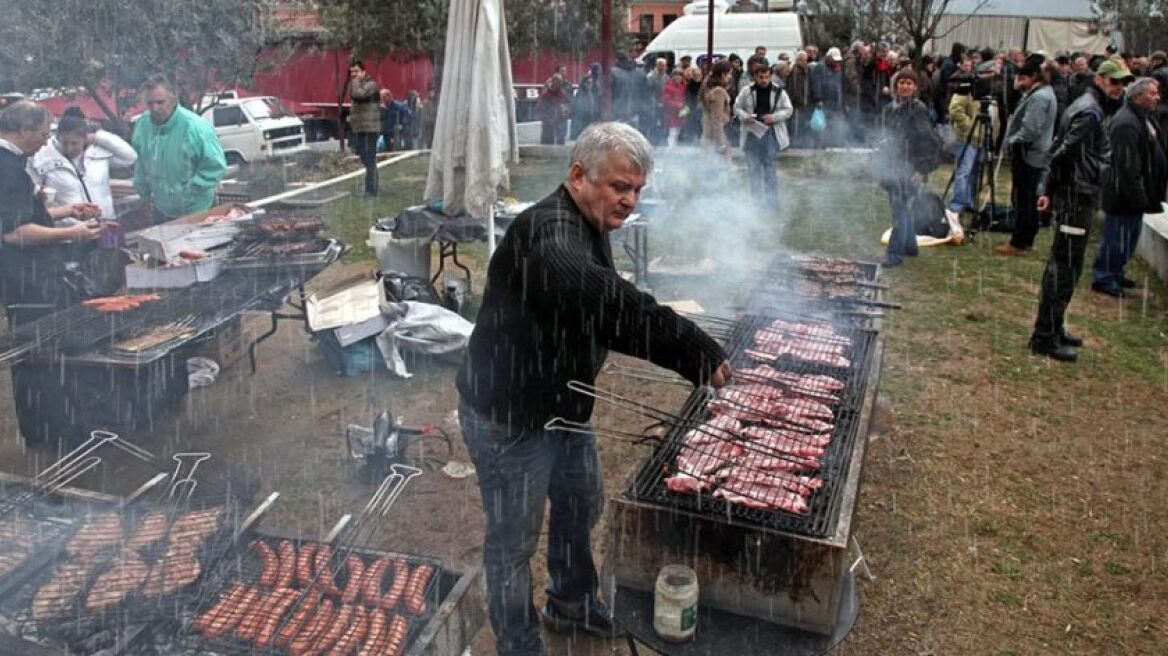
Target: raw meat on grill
x=774 y=444
x=112 y=587
x=821 y=386
x=697 y=464
x=820 y=440
x=718 y=429
x=829 y=341
x=753 y=495
x=811 y=354
x=171 y=573
x=804 y=486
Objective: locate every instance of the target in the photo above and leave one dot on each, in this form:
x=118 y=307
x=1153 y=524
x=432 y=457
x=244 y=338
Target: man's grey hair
x=23 y=115
x=159 y=80
x=600 y=140
x=1139 y=88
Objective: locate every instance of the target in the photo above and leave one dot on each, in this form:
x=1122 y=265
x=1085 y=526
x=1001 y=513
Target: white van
x=733 y=33
x=254 y=129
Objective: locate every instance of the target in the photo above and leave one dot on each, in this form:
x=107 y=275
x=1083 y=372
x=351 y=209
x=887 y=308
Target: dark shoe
x=595 y=618
x=1060 y=352
x=1070 y=339
x=1127 y=283
x=1110 y=290
x=890 y=262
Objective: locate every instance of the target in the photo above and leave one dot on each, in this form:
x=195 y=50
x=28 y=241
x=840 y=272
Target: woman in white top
x=76 y=164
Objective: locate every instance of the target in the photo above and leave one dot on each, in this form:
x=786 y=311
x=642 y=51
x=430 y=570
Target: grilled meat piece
x=55 y=598
x=111 y=588
x=755 y=495
x=271 y=563
x=355 y=633
x=718 y=429
x=415 y=594
x=175 y=570
x=96 y=535
x=225 y=602
x=150 y=530
x=376 y=635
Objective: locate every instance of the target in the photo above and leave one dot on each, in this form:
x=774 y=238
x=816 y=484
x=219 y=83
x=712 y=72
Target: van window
x=261 y=108
x=229 y=116
x=667 y=19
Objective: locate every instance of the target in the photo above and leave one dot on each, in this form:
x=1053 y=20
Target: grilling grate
x=247 y=567
x=823 y=511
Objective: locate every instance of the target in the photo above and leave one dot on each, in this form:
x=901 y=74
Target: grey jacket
x=1031 y=127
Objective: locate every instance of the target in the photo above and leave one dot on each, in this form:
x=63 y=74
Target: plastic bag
x=683 y=112
x=381 y=145
x=818 y=121
x=422 y=328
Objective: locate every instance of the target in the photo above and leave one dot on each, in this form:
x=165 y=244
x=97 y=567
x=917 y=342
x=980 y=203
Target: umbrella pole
x=491 y=231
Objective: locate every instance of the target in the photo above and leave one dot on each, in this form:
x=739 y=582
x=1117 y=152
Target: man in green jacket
x=180 y=160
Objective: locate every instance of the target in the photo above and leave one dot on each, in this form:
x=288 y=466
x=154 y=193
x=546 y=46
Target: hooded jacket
x=179 y=162
x=89 y=182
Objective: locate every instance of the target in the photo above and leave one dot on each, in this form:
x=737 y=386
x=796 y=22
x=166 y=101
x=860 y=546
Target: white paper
x=757 y=128
x=354 y=305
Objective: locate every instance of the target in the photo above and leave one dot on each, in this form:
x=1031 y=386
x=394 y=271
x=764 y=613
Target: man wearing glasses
x=180 y=161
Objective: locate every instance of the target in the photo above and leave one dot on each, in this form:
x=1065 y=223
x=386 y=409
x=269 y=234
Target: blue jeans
x=903 y=240
x=365 y=145
x=517 y=470
x=964 y=180
x=761 y=167
x=1121 y=233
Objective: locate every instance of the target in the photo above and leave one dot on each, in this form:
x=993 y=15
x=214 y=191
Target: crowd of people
x=1079 y=130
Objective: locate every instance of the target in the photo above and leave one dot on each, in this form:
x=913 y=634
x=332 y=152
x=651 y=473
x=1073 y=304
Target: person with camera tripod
x=971 y=111
x=1070 y=186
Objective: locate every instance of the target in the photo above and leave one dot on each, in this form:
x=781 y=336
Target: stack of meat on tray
x=115 y=558
x=19 y=540
x=768 y=431
x=311 y=599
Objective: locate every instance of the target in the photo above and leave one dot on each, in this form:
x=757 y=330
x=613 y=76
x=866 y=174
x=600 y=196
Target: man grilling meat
x=554 y=306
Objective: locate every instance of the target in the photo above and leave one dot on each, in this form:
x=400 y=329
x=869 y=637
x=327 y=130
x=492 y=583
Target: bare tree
x=1143 y=23
x=110 y=46
x=919 y=20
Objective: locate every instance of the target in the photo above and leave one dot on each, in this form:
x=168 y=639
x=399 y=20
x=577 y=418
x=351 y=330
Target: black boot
x=1054 y=351
x=1068 y=338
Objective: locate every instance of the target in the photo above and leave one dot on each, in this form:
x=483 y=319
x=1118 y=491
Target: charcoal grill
x=782 y=567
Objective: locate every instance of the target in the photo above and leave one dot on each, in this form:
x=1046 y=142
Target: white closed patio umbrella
x=474 y=135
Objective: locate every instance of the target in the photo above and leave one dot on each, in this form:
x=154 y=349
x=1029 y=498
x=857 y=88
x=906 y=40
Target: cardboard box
x=227 y=345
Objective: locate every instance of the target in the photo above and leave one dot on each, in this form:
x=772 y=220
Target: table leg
x=251 y=359
x=632 y=644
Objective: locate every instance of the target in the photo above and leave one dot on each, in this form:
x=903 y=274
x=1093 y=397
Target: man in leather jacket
x=1070 y=186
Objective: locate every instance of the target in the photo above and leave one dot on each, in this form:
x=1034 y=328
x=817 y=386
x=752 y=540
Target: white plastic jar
x=675 y=603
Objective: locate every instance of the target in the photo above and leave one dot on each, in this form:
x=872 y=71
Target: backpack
x=928 y=215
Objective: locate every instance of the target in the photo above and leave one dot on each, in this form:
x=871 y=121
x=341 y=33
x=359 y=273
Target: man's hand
x=769 y=119
x=721 y=376
x=749 y=120
x=1043 y=203
x=84 y=211
x=82 y=231
x=917 y=178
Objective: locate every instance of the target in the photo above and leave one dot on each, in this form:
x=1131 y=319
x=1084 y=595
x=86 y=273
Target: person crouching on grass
x=906 y=155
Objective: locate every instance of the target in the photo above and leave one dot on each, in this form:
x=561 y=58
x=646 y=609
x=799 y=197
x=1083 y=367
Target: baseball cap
x=834 y=54
x=1114 y=69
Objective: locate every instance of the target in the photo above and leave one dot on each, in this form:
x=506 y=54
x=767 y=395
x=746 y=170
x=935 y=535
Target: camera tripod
x=983 y=169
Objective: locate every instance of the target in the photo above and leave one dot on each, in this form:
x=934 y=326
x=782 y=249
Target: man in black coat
x=553 y=307
x=1139 y=174
x=1070 y=186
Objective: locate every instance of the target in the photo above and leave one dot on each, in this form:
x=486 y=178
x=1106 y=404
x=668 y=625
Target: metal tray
x=322 y=258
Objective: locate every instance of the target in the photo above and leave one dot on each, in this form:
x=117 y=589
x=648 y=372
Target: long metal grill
x=819 y=517
x=254 y=602
x=121 y=567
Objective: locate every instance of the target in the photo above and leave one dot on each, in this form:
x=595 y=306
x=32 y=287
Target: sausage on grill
x=275 y=612
x=401 y=575
x=271 y=563
x=287 y=564
x=335 y=629
x=354 y=634
x=375 y=636
x=373 y=577
x=300 y=619
x=395 y=638
x=356 y=568
x=227 y=620
x=249 y=625
x=324 y=571
x=229 y=599
x=304 y=568
x=415 y=595
x=319 y=622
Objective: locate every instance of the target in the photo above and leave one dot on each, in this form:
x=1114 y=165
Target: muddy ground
x=1011 y=506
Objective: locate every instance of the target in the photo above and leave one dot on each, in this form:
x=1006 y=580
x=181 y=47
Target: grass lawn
x=1014 y=505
